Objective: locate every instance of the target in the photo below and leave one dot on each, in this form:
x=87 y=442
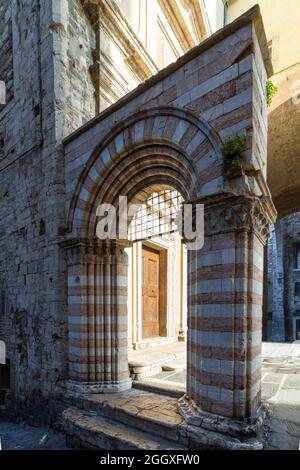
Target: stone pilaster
x=225 y=283
x=97 y=307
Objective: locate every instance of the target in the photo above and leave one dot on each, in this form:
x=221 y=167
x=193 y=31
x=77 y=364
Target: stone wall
x=52 y=96
x=30 y=181
x=6 y=58
x=283 y=301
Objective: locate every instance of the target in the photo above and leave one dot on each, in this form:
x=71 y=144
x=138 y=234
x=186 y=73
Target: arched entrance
x=157 y=301
x=125 y=164
x=224 y=277
x=184 y=113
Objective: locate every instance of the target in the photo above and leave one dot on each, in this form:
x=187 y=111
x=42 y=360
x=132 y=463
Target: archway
x=170 y=147
x=157 y=271
x=174 y=140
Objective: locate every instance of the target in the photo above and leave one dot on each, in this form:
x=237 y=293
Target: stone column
x=97 y=312
x=225 y=285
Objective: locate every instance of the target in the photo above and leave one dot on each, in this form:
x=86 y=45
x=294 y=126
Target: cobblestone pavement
x=280 y=390
x=20 y=437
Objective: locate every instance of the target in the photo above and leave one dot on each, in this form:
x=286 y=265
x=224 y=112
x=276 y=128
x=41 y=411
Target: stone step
x=162 y=387
x=143 y=364
x=96 y=432
x=154 y=416
x=170 y=366
x=148 y=412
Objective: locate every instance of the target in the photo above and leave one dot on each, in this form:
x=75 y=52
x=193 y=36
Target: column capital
x=243 y=213
x=92 y=250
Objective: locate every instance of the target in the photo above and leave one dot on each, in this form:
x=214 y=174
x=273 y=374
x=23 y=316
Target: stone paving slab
x=20 y=437
x=280 y=391
x=101 y=433
x=283 y=352
x=161 y=409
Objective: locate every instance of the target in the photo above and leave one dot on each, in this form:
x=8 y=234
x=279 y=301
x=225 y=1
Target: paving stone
x=103 y=433
x=21 y=437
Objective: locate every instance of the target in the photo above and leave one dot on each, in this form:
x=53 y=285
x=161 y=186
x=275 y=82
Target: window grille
x=157 y=216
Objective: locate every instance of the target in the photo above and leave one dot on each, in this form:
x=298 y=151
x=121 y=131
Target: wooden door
x=150 y=293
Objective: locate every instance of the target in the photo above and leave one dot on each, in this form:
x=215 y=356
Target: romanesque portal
x=167 y=135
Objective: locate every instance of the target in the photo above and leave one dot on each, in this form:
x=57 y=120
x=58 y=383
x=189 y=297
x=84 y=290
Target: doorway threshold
x=154 y=342
x=148 y=362
x=160 y=386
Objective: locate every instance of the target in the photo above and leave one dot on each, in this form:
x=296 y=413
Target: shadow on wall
x=284 y=157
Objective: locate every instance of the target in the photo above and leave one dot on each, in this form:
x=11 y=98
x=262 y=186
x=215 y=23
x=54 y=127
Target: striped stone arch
x=171 y=147
x=160 y=146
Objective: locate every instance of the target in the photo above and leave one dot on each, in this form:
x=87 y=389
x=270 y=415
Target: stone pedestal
x=97 y=312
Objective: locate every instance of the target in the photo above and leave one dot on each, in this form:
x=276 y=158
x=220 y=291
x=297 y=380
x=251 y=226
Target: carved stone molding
x=236 y=213
x=108 y=17
x=186 y=20
x=84 y=251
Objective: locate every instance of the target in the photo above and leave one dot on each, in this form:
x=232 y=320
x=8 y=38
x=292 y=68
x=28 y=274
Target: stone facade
x=46 y=60
x=65 y=291
x=283 y=309
x=280 y=307
x=167 y=142
x=282 y=34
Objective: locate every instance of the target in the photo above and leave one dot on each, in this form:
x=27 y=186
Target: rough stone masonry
x=44 y=79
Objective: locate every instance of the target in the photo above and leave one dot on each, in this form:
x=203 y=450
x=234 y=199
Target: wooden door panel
x=150 y=293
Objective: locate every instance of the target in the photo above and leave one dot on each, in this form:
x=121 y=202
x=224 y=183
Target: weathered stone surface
x=66 y=315
x=96 y=432
x=105 y=418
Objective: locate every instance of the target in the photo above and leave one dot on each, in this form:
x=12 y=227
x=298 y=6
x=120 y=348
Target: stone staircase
x=146 y=363
x=99 y=433
x=130 y=421
x=138 y=419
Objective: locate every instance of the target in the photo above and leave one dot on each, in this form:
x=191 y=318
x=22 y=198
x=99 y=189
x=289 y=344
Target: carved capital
x=86 y=251
x=240 y=213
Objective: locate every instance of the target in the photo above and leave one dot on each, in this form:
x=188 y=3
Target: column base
x=94 y=387
x=209 y=431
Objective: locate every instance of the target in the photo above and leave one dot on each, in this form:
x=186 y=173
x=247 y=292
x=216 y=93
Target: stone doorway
x=174 y=141
x=154 y=267
x=157 y=273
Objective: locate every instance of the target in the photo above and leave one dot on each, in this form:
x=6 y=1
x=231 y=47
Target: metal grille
x=157 y=216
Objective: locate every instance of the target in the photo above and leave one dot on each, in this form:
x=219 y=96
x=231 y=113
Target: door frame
x=162 y=290
x=169 y=330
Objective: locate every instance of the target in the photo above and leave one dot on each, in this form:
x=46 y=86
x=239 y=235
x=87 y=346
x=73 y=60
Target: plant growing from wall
x=234 y=155
x=271 y=90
